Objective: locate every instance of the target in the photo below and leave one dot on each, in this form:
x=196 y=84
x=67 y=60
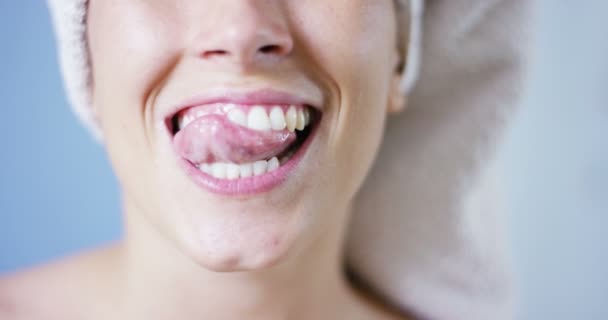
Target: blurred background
x=58 y=194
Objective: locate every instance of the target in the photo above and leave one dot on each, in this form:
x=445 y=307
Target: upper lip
x=264 y=96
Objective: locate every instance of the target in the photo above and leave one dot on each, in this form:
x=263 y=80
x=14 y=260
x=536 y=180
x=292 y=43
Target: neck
x=161 y=282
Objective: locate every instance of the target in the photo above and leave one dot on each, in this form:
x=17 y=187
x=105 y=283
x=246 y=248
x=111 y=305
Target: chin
x=243 y=241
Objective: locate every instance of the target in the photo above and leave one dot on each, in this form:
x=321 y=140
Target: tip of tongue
x=213 y=138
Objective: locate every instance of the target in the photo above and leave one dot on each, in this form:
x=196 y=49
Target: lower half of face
x=241 y=130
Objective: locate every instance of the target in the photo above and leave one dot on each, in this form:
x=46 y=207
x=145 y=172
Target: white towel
x=426 y=233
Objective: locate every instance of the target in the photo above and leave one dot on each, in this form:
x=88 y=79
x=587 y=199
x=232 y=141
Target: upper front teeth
x=277 y=119
x=259 y=119
x=238 y=116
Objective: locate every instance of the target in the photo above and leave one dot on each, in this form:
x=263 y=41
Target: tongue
x=213 y=138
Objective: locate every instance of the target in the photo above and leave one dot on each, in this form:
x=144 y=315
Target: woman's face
x=185 y=91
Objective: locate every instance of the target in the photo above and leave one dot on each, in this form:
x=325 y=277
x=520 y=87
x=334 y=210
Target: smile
x=239 y=144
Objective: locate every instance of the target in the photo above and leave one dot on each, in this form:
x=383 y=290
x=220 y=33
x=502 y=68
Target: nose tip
x=247 y=37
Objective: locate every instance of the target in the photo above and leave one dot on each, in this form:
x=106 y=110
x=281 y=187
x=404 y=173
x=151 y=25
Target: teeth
x=184 y=121
x=232 y=171
x=291 y=118
x=238 y=116
x=218 y=170
x=258 y=119
x=206 y=168
x=306 y=117
x=260 y=167
x=300 y=121
x=246 y=170
x=273 y=164
x=277 y=119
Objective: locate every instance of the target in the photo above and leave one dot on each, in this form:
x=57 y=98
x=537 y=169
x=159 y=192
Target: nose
x=244 y=32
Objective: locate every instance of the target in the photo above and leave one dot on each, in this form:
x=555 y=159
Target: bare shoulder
x=58 y=290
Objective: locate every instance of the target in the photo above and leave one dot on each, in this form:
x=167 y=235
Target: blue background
x=58 y=194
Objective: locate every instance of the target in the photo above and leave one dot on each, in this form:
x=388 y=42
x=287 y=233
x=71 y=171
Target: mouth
x=239 y=144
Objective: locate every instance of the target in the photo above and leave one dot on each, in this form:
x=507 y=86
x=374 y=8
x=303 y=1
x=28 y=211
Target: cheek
x=357 y=55
x=352 y=40
x=131 y=49
x=359 y=63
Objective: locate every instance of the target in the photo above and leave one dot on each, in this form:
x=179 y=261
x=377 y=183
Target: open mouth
x=240 y=147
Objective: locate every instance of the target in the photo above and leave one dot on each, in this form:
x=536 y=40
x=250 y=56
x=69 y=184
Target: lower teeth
x=231 y=171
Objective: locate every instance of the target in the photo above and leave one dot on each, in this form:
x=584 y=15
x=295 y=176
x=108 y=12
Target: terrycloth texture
x=426 y=232
x=69 y=18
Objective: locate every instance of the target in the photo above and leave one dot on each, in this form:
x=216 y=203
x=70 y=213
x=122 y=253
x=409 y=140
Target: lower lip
x=251 y=185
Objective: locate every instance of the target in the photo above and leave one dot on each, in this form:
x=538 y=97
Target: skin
x=191 y=254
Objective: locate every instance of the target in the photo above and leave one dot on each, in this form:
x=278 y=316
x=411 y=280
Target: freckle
x=275 y=242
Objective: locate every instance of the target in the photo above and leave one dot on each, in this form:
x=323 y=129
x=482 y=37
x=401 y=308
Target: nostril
x=211 y=53
x=271 y=49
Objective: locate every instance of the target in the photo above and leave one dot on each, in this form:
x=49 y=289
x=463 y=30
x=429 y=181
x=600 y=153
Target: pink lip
x=257 y=184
